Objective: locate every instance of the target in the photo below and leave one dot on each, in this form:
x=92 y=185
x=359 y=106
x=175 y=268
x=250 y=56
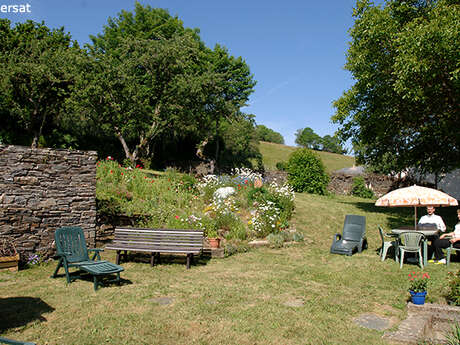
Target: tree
x=264 y=133
x=150 y=76
x=307 y=138
x=332 y=144
x=37 y=76
x=403 y=107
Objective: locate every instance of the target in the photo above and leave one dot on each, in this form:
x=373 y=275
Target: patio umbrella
x=416 y=196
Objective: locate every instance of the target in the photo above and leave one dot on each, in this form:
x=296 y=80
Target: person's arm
x=445 y=235
x=442 y=226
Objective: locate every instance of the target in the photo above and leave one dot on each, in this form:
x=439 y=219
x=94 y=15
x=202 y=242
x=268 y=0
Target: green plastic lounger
x=352 y=238
x=72 y=252
x=14 y=342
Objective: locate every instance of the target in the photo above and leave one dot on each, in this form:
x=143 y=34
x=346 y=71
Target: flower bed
x=237 y=206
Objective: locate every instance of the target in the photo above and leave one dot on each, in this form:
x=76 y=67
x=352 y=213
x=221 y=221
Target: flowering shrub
x=224 y=192
x=34 y=260
x=453 y=295
x=230 y=204
x=418 y=282
x=266 y=219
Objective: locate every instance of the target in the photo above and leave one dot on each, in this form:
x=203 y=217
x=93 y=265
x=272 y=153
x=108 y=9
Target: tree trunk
x=131 y=156
x=217 y=144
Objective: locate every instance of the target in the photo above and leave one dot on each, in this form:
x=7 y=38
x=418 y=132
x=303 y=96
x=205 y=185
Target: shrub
x=276 y=240
x=306 y=172
x=281 y=166
x=453 y=296
x=359 y=188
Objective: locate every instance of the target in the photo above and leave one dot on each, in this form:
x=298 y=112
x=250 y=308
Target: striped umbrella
x=416 y=196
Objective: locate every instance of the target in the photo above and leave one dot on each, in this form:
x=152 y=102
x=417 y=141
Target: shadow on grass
x=200 y=260
x=19 y=311
x=106 y=280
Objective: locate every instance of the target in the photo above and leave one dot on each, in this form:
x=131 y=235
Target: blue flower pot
x=418 y=297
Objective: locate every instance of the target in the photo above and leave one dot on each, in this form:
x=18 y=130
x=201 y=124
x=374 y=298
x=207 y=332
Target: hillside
x=273 y=153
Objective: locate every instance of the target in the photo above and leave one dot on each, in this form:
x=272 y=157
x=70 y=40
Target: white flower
x=224 y=192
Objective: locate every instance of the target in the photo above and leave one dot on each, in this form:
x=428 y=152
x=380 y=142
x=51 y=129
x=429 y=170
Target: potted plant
x=213 y=239
x=9 y=257
x=418 y=283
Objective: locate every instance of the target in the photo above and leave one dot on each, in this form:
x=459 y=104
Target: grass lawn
x=295 y=295
x=273 y=153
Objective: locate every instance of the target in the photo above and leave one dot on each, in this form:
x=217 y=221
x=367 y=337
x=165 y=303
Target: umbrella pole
x=415 y=221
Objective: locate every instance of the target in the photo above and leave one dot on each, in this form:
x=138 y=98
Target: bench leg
x=117 y=261
x=152 y=259
x=189 y=259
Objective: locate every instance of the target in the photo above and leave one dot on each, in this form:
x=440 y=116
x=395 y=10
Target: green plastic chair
x=387 y=245
x=14 y=342
x=352 y=238
x=449 y=251
x=411 y=242
x=72 y=252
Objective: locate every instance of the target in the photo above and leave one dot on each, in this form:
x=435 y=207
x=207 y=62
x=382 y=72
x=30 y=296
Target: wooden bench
x=156 y=241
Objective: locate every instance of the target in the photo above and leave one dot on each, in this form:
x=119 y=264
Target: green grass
x=274 y=153
x=241 y=299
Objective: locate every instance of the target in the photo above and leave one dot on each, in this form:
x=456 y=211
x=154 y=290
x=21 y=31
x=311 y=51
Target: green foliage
x=307 y=138
x=37 y=68
x=402 y=109
x=453 y=337
x=306 y=172
x=239 y=145
x=264 y=133
x=281 y=166
x=276 y=240
x=453 y=295
x=359 y=188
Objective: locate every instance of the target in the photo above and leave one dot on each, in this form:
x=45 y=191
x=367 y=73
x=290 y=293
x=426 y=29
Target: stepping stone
x=294 y=303
x=163 y=300
x=372 y=321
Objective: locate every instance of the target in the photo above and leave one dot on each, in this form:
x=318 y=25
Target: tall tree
x=332 y=144
x=154 y=76
x=306 y=137
x=37 y=75
x=403 y=108
x=267 y=134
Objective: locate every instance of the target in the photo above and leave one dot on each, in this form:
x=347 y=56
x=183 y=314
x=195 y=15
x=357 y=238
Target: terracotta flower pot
x=9 y=263
x=214 y=242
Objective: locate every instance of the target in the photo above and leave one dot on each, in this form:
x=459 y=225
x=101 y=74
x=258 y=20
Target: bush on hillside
x=281 y=166
x=359 y=188
x=306 y=172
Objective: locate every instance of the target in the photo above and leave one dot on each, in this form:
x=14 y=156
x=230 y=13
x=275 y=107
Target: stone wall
x=42 y=190
x=380 y=184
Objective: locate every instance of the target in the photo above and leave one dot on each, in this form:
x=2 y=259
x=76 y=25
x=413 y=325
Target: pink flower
x=177 y=217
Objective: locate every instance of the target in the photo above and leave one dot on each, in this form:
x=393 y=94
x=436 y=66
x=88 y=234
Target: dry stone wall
x=42 y=190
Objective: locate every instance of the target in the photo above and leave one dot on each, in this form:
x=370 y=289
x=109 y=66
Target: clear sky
x=296 y=49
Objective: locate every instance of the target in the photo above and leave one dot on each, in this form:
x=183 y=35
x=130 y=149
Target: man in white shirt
x=432 y=218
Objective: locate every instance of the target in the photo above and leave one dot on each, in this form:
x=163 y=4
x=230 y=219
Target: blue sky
x=296 y=49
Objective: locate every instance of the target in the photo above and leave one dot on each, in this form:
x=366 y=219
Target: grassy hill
x=273 y=153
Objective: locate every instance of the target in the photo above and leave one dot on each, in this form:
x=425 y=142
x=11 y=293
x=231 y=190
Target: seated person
x=443 y=242
x=432 y=218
